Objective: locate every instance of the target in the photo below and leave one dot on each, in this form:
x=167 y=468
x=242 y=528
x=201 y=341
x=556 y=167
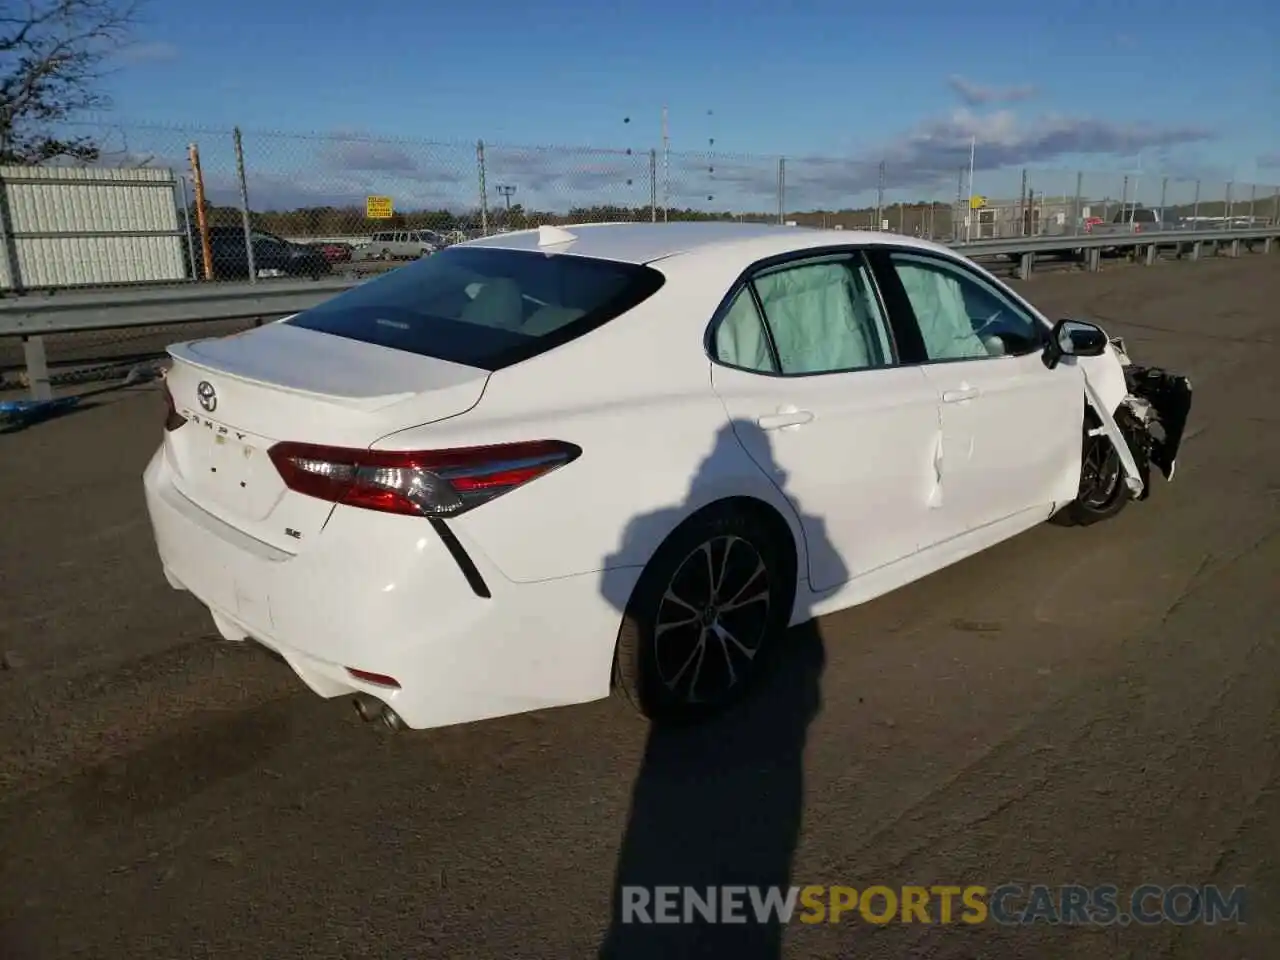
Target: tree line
x=919 y=219
x=333 y=221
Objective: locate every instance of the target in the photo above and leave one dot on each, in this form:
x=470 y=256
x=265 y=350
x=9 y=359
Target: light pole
x=505 y=190
x=973 y=153
x=666 y=166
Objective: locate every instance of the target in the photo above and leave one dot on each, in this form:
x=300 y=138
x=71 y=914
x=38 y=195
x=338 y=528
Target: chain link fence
x=260 y=205
x=257 y=205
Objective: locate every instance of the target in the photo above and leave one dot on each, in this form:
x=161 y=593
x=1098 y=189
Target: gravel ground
x=1093 y=706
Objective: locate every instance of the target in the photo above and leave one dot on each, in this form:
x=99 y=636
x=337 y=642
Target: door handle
x=785 y=418
x=960 y=395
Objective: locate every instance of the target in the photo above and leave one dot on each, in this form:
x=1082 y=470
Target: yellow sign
x=976 y=202
x=377 y=208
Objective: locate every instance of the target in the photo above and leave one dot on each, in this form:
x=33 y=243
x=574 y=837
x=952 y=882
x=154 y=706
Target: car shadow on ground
x=718 y=804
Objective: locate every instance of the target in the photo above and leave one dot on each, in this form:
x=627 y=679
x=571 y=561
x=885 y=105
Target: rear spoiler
x=182 y=353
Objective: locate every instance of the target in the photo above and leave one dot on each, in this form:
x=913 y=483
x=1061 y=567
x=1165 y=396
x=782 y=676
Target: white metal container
x=87 y=226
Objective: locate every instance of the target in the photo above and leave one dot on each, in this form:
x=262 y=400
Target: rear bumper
x=384 y=594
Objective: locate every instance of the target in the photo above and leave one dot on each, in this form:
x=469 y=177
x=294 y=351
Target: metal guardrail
x=1026 y=249
x=1085 y=241
x=66 y=312
x=34 y=315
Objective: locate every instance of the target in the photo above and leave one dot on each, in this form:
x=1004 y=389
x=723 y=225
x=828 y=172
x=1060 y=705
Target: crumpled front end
x=1152 y=416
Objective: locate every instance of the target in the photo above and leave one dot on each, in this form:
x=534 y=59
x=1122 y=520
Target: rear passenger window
x=824 y=317
x=741 y=340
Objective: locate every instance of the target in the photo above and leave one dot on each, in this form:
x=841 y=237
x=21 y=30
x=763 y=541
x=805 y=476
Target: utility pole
x=666 y=166
x=880 y=199
x=960 y=205
x=973 y=153
x=1136 y=180
x=1023 y=218
x=782 y=190
x=484 y=191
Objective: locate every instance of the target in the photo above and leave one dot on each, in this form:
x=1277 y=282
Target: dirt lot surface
x=1096 y=706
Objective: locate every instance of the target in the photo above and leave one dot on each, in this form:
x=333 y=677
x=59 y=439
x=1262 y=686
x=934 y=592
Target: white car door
x=806 y=367
x=1011 y=427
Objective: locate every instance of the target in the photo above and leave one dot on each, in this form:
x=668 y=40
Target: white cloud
x=931 y=156
x=342 y=168
x=976 y=94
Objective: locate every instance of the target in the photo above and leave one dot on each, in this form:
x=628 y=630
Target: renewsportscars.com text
x=1008 y=904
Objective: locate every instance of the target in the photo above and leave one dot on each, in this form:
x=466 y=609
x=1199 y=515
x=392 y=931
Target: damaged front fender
x=1148 y=424
x=1136 y=474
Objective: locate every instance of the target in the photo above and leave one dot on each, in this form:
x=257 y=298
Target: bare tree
x=53 y=54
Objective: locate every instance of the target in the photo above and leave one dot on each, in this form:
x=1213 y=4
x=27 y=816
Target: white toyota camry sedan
x=540 y=466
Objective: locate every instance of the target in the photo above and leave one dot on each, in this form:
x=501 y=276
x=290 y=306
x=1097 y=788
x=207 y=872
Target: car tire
x=657 y=654
x=1103 y=492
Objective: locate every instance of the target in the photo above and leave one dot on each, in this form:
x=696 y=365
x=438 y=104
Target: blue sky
x=1181 y=87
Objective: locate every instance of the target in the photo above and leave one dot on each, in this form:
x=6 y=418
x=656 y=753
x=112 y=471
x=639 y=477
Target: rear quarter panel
x=657 y=444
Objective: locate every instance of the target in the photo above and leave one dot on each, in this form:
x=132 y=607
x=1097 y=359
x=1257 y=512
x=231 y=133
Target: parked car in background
x=513 y=474
x=272 y=256
x=334 y=252
x=401 y=245
x=1136 y=219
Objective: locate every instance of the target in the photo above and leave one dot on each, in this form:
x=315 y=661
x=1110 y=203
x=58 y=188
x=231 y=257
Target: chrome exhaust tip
x=391 y=720
x=367 y=708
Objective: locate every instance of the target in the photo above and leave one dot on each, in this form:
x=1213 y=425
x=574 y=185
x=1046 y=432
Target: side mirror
x=1074 y=338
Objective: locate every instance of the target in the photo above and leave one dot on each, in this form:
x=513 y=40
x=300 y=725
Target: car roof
x=642 y=243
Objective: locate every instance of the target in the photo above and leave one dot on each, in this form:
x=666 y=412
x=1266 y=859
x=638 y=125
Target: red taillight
x=173 y=419
x=377 y=679
x=424 y=483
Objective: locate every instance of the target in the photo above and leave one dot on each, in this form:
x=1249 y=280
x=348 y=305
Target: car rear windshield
x=484 y=307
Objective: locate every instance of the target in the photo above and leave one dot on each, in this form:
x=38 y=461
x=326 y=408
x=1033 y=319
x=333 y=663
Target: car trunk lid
x=243 y=394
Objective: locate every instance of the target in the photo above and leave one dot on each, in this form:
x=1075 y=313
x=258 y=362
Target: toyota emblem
x=207 y=395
